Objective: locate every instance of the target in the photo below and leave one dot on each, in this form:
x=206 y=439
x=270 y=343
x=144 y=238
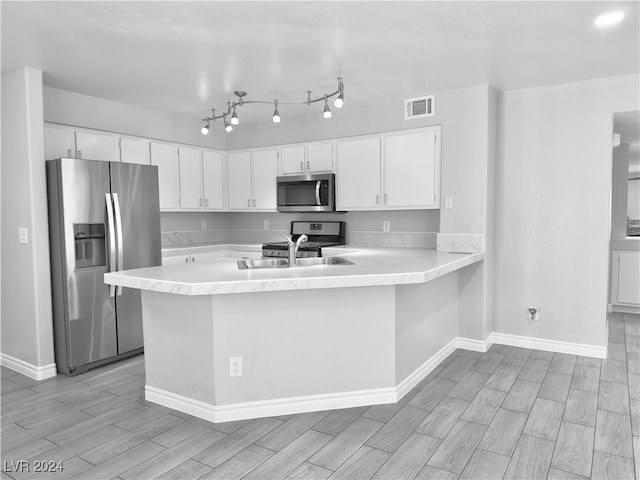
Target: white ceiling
x=188 y=57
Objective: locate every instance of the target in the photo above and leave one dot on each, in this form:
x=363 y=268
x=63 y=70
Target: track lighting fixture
x=231 y=107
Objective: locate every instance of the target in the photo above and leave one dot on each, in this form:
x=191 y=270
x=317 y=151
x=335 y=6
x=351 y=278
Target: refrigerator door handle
x=112 y=241
x=120 y=257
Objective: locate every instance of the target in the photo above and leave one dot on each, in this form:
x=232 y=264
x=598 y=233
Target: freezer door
x=135 y=191
x=84 y=315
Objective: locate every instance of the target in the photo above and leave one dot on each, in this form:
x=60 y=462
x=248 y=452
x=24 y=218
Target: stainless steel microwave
x=307 y=193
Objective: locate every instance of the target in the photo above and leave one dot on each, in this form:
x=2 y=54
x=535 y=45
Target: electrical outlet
x=448 y=203
x=266 y=224
x=386 y=226
x=23 y=235
x=235 y=366
x=203 y=224
x=533 y=313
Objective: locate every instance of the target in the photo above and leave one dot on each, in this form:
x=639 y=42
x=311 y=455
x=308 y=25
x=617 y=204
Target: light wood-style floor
x=508 y=413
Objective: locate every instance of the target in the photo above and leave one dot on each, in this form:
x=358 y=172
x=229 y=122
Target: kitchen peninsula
x=309 y=338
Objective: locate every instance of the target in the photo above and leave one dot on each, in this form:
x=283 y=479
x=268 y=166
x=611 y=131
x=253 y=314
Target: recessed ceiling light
x=608 y=19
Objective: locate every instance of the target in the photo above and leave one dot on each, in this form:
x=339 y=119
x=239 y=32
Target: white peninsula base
x=302 y=350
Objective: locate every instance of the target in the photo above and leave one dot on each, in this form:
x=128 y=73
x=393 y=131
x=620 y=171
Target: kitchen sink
x=249 y=264
x=310 y=261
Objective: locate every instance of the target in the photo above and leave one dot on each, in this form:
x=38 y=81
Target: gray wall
x=553 y=192
x=27 y=329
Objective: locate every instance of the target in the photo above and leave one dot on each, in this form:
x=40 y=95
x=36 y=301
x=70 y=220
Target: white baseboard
x=549 y=345
x=425 y=369
x=474 y=345
x=269 y=408
x=314 y=403
x=31 y=371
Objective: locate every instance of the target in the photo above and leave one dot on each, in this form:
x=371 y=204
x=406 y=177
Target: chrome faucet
x=293 y=247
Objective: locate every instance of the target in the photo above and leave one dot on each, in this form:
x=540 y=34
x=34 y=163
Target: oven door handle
x=318 y=203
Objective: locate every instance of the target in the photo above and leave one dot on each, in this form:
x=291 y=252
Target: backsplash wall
x=408 y=227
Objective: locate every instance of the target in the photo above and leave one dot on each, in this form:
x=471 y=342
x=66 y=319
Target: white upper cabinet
x=309 y=158
x=252 y=179
x=96 y=146
x=411 y=173
x=397 y=170
x=190 y=161
x=239 y=180
x=163 y=155
x=358 y=174
x=59 y=142
x=213 y=180
x=319 y=157
x=265 y=171
x=134 y=150
x=293 y=160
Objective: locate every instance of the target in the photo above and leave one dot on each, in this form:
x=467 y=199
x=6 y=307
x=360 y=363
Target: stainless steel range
x=320 y=234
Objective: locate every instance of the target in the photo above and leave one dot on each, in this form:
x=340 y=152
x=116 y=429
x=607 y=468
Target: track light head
x=338 y=102
x=327 y=111
x=205 y=129
x=228 y=128
x=276 y=114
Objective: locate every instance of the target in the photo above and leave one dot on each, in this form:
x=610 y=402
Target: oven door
x=306 y=193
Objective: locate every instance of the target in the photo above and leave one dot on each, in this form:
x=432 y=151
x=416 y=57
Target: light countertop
x=372 y=267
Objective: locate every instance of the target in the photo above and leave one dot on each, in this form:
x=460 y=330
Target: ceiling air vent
x=418 y=107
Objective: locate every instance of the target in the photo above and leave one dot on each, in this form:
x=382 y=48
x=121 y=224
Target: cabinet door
x=59 y=142
x=212 y=180
x=133 y=150
x=319 y=157
x=96 y=146
x=265 y=171
x=628 y=278
x=239 y=180
x=292 y=160
x=358 y=174
x=164 y=157
x=410 y=170
x=190 y=177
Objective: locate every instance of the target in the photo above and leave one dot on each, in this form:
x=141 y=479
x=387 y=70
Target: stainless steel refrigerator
x=103 y=217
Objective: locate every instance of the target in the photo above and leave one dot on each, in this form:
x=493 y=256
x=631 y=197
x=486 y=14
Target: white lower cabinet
x=395 y=171
x=625 y=278
x=251 y=179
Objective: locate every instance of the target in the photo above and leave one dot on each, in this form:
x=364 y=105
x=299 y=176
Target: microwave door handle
x=318 y=202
